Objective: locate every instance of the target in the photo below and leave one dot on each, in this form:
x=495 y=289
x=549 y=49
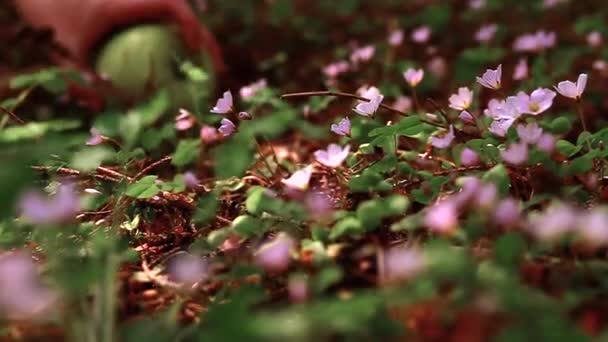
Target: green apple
x=145 y=58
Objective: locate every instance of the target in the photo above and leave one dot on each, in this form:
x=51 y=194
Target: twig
x=352 y=96
x=152 y=166
x=446 y=172
x=161 y=281
x=13 y=116
x=340 y=94
x=71 y=172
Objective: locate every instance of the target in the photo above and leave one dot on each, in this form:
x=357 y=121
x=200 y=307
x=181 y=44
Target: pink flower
x=342 y=127
x=297 y=288
x=515 y=154
x=185 y=120
x=333 y=157
x=442 y=217
x=466 y=117
x=529 y=133
x=223 y=104
x=395 y=38
x=507 y=212
x=96 y=138
x=401 y=263
x=468 y=157
x=335 y=69
x=275 y=255
x=362 y=54
x=477 y=4
x=444 y=141
x=227 y=127
x=486 y=195
x=539 y=101
x=437 y=67
x=369 y=108
x=44 y=210
x=555 y=222
x=594 y=39
x=521 y=70
x=368 y=92
x=403 y=103
x=318 y=204
x=491 y=78
x=421 y=34
x=546 y=143
x=244 y=116
x=552 y=3
x=187 y=269
x=299 y=180
x=504 y=114
x=249 y=91
x=190 y=180
x=486 y=33
x=462 y=100
x=413 y=76
x=208 y=134
x=534 y=42
x=22 y=296
x=593 y=227
x=600 y=65
x=571 y=89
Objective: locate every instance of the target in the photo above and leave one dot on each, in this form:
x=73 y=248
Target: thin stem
x=12 y=115
x=415 y=96
x=340 y=94
x=444 y=115
x=264 y=160
x=352 y=96
x=152 y=166
x=581 y=116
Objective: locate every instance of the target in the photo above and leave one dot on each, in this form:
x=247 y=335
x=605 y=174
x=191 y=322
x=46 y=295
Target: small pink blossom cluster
x=22 y=295
x=505 y=113
x=560 y=219
x=223 y=106
x=443 y=216
x=535 y=42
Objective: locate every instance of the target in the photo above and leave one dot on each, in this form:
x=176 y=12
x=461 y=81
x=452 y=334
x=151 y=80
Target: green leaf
x=206 y=209
x=89 y=158
x=233 y=157
x=368 y=181
x=327 y=277
x=248 y=226
x=143 y=188
x=500 y=177
x=579 y=165
x=150 y=111
x=567 y=148
x=187 y=151
x=509 y=249
x=346 y=226
x=371 y=213
x=51 y=79
x=560 y=125
x=255 y=197
x=34 y=130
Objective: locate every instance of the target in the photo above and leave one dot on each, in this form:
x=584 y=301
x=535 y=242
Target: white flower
x=413 y=76
x=369 y=108
x=299 y=180
x=462 y=100
x=223 y=104
x=571 y=89
x=491 y=78
x=333 y=156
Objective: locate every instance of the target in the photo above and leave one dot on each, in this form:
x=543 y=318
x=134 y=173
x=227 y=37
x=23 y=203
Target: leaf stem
x=351 y=96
